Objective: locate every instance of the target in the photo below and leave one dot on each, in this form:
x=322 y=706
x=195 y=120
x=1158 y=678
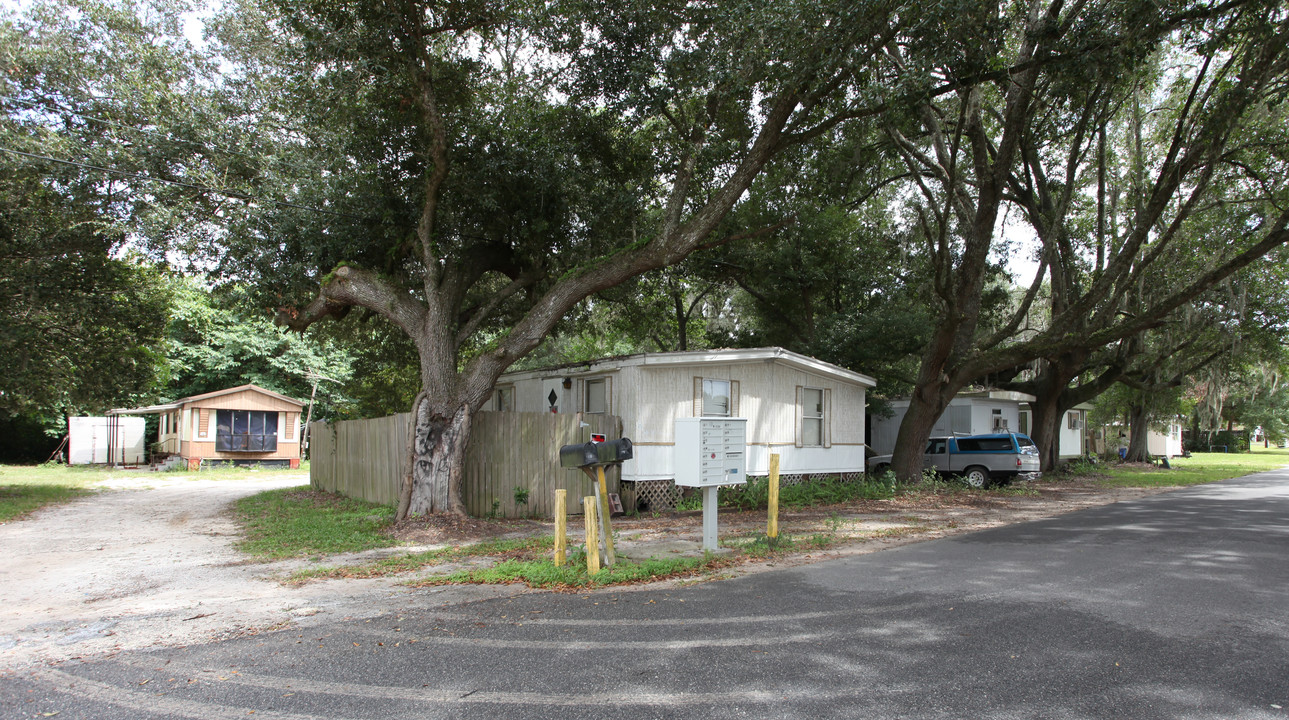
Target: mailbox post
x=710 y=452
x=590 y=458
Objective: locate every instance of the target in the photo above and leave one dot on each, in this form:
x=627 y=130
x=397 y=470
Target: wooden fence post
x=772 y=530
x=561 y=525
x=592 y=542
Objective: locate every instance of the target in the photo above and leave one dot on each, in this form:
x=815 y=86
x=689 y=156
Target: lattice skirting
x=664 y=495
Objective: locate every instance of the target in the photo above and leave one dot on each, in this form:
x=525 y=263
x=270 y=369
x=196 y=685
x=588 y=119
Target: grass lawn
x=300 y=521
x=1199 y=468
x=24 y=488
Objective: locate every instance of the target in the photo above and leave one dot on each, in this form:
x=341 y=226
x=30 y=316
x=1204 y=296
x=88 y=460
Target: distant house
x=243 y=425
x=808 y=411
x=971 y=413
x=1166 y=440
x=1163 y=439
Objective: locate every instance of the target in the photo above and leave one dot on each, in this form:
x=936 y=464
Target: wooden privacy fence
x=367 y=459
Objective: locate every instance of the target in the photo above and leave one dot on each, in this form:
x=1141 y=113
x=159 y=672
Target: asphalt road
x=1173 y=606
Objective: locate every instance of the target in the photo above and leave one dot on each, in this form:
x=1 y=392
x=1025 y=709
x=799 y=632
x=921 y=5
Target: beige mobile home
x=808 y=411
x=241 y=425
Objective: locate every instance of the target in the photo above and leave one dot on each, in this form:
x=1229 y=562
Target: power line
x=234 y=194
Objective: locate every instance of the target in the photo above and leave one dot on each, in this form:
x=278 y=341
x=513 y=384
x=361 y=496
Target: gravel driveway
x=150 y=562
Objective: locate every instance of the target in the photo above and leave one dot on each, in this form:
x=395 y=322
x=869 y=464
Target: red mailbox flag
x=597 y=437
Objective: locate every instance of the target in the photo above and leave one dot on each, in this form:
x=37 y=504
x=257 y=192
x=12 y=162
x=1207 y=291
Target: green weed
x=829 y=490
x=408 y=562
x=544 y=573
x=294 y=522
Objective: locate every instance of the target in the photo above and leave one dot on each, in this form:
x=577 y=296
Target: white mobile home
x=808 y=411
x=1073 y=441
x=976 y=413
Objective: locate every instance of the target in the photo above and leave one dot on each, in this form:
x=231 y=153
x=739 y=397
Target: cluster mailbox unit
x=710 y=452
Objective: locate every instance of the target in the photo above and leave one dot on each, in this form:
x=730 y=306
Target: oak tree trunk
x=442 y=432
x=1139 y=427
x=924 y=409
x=1045 y=429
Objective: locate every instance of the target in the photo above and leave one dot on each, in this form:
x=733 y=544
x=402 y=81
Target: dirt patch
x=452 y=529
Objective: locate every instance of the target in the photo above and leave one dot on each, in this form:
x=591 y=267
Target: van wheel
x=880 y=469
x=976 y=477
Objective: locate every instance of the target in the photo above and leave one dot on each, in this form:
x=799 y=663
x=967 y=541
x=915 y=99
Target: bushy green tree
x=218 y=339
x=491 y=165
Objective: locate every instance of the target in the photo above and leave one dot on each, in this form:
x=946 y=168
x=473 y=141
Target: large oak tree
x=487 y=166
x=1205 y=197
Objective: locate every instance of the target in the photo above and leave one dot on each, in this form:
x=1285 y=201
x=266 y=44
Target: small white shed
x=972 y=413
x=105 y=440
x=1165 y=439
x=808 y=411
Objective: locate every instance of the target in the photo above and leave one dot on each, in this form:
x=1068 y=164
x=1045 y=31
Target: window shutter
x=608 y=395
x=800 y=438
x=698 y=397
x=288 y=428
x=827 y=420
x=734 y=399
x=203 y=423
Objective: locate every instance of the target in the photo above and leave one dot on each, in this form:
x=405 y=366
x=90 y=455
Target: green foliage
x=691 y=503
x=829 y=490
x=30 y=438
x=295 y=522
x=521 y=495
x=544 y=573
x=217 y=340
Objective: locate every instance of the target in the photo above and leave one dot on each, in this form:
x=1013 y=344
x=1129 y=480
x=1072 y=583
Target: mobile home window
x=245 y=431
x=716 y=398
x=812 y=417
x=597 y=396
x=503 y=399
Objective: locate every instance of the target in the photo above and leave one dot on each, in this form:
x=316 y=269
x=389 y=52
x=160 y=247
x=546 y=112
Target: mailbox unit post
x=710 y=452
x=590 y=458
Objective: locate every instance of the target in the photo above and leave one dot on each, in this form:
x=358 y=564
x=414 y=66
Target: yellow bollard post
x=609 y=556
x=561 y=525
x=592 y=542
x=772 y=530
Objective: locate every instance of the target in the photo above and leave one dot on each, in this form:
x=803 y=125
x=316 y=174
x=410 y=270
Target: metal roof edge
x=697 y=357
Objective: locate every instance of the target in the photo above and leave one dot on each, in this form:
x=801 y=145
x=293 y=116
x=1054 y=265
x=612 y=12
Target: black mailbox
x=579 y=455
x=584 y=454
x=620 y=448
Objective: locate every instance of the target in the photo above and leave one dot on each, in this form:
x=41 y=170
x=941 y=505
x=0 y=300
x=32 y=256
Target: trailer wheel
x=976 y=477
